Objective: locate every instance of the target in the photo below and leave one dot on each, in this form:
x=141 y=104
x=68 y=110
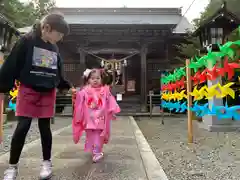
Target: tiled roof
x=135 y=16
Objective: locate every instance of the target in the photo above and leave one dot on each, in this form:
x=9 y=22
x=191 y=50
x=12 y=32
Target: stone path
x=123 y=158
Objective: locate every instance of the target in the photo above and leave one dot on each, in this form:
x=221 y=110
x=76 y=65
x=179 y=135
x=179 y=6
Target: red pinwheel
x=212 y=74
x=203 y=76
x=174 y=86
x=229 y=68
x=220 y=71
x=182 y=83
x=195 y=78
x=170 y=88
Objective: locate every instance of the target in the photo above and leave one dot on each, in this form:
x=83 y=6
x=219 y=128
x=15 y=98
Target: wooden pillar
x=82 y=63
x=143 y=54
x=1 y=35
x=189 y=100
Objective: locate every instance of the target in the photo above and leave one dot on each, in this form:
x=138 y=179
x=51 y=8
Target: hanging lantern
x=125 y=62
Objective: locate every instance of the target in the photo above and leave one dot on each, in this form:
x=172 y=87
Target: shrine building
x=137 y=42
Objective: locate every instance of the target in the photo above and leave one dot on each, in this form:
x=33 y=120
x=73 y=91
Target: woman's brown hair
x=55 y=21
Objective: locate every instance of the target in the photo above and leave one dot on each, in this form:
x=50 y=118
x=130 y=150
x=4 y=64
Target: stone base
x=220 y=128
x=156 y=109
x=213 y=124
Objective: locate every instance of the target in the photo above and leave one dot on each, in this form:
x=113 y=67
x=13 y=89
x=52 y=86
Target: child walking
x=36 y=63
x=94 y=108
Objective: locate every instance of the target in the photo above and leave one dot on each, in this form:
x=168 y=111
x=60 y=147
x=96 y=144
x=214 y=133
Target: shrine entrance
x=141 y=40
x=116 y=70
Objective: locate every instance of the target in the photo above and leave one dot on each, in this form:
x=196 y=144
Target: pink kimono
x=93 y=110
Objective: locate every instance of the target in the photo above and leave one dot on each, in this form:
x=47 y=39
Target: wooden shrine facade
x=148 y=34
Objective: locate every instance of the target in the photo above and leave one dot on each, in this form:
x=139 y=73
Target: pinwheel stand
x=212 y=83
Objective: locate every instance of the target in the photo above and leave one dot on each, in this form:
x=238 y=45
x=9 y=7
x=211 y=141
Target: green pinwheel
x=175 y=76
x=196 y=64
x=212 y=58
x=227 y=49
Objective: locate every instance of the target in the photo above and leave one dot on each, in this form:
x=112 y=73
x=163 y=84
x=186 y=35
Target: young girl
x=36 y=63
x=94 y=108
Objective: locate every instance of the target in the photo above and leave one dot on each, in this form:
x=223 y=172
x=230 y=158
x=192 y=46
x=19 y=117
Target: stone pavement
x=127 y=157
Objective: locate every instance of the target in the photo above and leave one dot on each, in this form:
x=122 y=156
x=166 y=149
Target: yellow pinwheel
x=226 y=90
x=212 y=91
x=196 y=94
x=13 y=94
x=203 y=92
x=166 y=96
x=182 y=95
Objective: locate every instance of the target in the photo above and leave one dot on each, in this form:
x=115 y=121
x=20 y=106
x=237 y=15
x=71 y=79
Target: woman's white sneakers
x=11 y=173
x=46 y=170
x=45 y=173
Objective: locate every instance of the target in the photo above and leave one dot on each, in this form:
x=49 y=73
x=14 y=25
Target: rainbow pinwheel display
x=206 y=68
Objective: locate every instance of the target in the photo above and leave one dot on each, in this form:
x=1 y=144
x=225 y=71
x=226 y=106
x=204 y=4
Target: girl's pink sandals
x=97 y=157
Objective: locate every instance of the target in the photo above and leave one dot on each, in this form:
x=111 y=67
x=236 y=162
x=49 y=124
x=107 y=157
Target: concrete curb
x=153 y=168
x=5 y=156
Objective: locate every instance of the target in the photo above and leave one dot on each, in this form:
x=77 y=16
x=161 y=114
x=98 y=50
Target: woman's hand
x=73 y=90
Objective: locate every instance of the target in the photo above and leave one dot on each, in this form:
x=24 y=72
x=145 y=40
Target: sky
x=193 y=13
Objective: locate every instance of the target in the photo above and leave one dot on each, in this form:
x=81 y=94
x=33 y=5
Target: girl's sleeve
x=78 y=123
x=12 y=66
x=63 y=83
x=113 y=106
x=78 y=115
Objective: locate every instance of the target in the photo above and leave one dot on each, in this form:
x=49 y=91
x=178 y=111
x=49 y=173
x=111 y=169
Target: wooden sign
x=131 y=86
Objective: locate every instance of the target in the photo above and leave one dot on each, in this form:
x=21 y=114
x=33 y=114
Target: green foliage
x=190 y=48
x=25 y=14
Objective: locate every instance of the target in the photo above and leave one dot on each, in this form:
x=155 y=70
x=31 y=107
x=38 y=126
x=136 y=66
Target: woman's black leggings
x=20 y=134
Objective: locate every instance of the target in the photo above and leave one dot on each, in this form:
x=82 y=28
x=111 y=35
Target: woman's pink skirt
x=31 y=103
x=93 y=142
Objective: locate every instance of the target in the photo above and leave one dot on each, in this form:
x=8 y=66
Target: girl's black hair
x=55 y=21
x=102 y=73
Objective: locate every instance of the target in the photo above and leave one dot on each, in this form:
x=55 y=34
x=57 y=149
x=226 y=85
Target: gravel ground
x=213 y=156
x=33 y=133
